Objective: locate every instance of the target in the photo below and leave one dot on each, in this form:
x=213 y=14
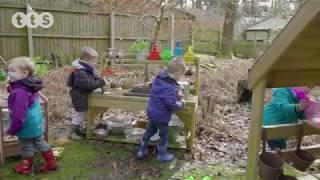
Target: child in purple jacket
x=26 y=115
x=164 y=101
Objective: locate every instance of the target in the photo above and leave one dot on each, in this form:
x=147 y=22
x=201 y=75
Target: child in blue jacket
x=285 y=107
x=164 y=101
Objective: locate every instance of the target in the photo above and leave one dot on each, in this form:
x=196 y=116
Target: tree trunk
x=228 y=28
x=158 y=24
x=198 y=4
x=253 y=8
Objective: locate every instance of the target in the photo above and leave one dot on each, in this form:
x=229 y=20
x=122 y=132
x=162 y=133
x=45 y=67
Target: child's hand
x=183 y=102
x=302 y=105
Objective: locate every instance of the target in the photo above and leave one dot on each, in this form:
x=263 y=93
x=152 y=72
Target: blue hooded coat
x=164 y=99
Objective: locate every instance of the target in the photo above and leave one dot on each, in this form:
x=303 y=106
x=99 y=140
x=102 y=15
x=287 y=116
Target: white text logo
x=32 y=20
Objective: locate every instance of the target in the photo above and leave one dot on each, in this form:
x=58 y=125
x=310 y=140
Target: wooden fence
x=76 y=25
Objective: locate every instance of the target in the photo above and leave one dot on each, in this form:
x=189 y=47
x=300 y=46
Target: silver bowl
x=134 y=133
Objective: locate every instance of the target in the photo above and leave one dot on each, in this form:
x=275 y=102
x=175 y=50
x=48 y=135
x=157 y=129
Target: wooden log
x=244 y=94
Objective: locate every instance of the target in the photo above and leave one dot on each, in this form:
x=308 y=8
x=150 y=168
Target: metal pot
x=134 y=133
x=101 y=131
x=118 y=124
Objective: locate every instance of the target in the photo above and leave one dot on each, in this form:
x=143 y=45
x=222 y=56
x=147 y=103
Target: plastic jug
x=178 y=50
x=166 y=55
x=189 y=55
x=154 y=53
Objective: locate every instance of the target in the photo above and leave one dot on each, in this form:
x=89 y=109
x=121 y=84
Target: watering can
x=178 y=50
x=189 y=55
x=154 y=53
x=166 y=55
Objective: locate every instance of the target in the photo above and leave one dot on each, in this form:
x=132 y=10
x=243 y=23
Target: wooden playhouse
x=292 y=60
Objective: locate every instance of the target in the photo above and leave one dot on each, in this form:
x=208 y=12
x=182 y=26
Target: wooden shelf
x=134 y=61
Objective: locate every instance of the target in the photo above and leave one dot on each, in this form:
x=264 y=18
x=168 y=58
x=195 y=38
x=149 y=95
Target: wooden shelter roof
x=294 y=57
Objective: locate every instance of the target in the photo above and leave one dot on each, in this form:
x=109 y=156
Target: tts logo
x=32 y=20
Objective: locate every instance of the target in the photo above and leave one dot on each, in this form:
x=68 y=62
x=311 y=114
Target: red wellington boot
x=50 y=164
x=25 y=167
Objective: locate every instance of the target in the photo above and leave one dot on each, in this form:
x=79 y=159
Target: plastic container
x=178 y=50
x=166 y=55
x=175 y=128
x=154 y=53
x=189 y=56
x=142 y=55
x=185 y=87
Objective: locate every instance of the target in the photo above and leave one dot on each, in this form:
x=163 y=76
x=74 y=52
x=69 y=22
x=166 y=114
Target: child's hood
x=300 y=93
x=32 y=84
x=163 y=83
x=76 y=64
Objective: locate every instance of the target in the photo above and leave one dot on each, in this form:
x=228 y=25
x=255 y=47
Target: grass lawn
x=102 y=160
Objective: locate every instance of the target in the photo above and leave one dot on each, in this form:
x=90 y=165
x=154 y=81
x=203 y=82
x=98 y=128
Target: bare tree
x=228 y=27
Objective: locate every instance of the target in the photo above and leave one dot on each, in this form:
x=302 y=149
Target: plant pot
x=141 y=56
x=270 y=166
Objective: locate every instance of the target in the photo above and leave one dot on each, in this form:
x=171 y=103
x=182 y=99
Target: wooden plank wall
x=75 y=25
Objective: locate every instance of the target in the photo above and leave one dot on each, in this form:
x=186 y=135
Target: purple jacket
x=23 y=94
x=163 y=100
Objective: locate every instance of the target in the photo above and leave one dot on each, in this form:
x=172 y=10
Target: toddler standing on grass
x=83 y=80
x=26 y=115
x=163 y=102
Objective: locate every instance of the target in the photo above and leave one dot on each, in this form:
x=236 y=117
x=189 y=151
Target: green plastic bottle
x=166 y=55
x=2 y=75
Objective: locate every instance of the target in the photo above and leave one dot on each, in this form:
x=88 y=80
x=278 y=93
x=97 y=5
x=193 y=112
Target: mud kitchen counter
x=99 y=103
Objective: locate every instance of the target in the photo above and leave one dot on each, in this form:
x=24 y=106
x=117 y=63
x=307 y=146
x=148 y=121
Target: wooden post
x=172 y=33
x=197 y=61
x=255 y=45
x=255 y=129
x=30 y=40
x=2 y=157
x=112 y=29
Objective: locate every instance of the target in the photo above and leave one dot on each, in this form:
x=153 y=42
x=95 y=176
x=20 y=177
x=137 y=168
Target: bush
x=42 y=66
x=139 y=46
